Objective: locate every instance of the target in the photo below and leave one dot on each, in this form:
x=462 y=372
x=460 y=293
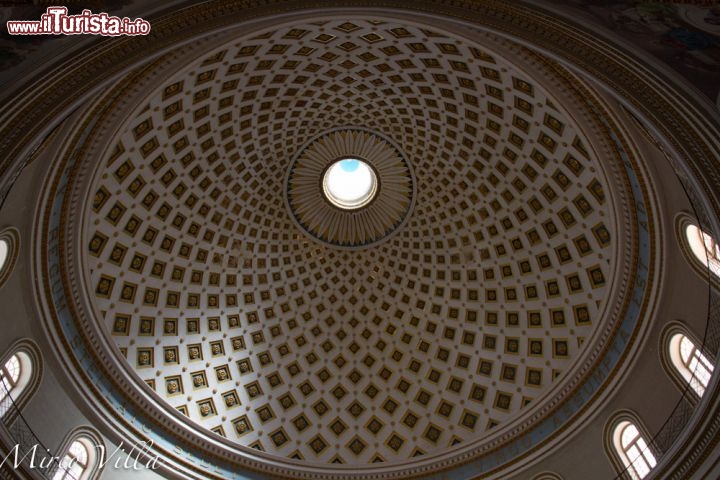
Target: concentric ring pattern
x=321 y=219
x=459 y=323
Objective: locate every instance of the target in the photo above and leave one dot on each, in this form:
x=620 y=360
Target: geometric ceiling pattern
x=457 y=324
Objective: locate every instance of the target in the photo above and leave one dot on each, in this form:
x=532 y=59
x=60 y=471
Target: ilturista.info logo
x=56 y=21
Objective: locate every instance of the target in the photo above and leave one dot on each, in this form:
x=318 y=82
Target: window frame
x=91 y=440
x=638 y=442
x=70 y=459
x=709 y=271
x=704 y=247
x=670 y=359
x=31 y=367
x=612 y=441
x=6 y=377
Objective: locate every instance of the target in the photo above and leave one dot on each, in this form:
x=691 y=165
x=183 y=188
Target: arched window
x=9 y=243
x=626 y=444
x=690 y=362
x=75 y=463
x=685 y=361
x=79 y=457
x=19 y=378
x=633 y=450
x=704 y=247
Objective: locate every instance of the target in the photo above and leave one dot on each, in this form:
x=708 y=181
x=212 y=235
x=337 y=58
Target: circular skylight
x=350 y=183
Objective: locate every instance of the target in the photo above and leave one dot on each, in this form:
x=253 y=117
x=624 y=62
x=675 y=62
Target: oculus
x=350 y=184
x=350 y=187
